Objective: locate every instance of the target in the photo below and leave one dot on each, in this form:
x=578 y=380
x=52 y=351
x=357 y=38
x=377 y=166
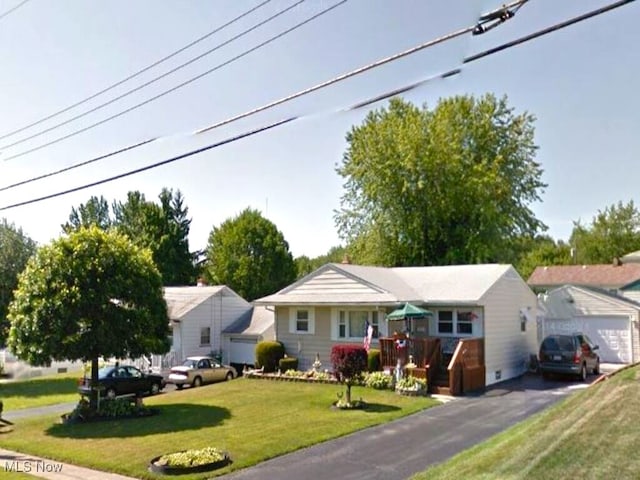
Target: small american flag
x=368 y=335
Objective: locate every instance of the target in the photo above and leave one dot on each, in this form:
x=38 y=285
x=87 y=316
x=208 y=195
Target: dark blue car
x=123 y=380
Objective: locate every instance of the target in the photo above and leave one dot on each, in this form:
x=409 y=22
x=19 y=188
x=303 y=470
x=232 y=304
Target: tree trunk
x=348 y=396
x=93 y=398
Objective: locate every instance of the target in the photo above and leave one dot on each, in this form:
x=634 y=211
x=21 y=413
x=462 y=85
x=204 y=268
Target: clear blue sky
x=580 y=83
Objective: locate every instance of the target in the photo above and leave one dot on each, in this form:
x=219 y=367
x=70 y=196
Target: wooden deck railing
x=422 y=351
x=466 y=368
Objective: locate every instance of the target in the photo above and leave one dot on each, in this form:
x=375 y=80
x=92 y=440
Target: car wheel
x=583 y=373
x=229 y=376
x=596 y=369
x=197 y=382
x=155 y=388
x=110 y=393
x=179 y=386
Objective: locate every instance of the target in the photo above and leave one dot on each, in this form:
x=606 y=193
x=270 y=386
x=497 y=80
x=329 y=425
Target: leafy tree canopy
x=250 y=255
x=89 y=294
x=612 y=233
x=448 y=185
x=306 y=265
x=543 y=251
x=15 y=250
x=163 y=228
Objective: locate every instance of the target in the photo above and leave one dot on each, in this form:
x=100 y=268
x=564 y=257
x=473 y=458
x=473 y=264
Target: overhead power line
x=270 y=126
x=135 y=74
x=298 y=94
x=181 y=85
x=153 y=80
x=12 y=9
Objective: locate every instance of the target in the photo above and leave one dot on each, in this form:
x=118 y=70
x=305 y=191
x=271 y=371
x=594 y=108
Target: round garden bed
x=190 y=461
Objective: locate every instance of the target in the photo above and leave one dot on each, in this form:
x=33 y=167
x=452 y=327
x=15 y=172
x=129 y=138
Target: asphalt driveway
x=399 y=449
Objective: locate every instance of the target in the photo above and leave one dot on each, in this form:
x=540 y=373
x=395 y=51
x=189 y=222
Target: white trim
x=293 y=320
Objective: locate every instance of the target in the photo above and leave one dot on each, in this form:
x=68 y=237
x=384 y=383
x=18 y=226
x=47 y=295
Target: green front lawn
x=253 y=420
x=591 y=435
x=40 y=391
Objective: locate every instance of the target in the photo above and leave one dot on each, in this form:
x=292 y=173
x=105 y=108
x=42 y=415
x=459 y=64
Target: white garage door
x=611 y=334
x=243 y=351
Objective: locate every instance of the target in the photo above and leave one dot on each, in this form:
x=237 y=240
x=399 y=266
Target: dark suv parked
x=572 y=354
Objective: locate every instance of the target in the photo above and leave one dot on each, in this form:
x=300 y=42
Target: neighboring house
x=332 y=305
x=610 y=320
x=615 y=277
x=240 y=338
x=197 y=317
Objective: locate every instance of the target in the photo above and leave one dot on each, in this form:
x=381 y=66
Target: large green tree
x=87 y=295
x=543 y=251
x=15 y=250
x=250 y=255
x=448 y=185
x=162 y=227
x=306 y=265
x=612 y=233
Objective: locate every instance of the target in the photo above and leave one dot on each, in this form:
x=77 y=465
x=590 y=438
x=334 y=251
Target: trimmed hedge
x=268 y=354
x=288 y=363
x=373 y=360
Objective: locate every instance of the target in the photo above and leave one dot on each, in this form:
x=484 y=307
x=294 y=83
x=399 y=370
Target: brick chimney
x=346 y=260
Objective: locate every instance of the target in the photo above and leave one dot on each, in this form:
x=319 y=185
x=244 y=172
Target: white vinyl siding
x=216 y=313
x=507 y=348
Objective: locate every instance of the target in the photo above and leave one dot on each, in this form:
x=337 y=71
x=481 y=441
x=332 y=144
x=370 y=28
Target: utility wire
x=135 y=74
x=13 y=9
x=153 y=80
x=290 y=97
x=77 y=165
x=469 y=59
x=355 y=72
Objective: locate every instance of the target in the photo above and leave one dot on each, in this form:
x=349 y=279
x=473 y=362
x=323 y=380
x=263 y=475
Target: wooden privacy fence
x=421 y=350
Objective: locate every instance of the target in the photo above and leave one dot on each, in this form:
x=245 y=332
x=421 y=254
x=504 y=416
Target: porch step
x=440 y=390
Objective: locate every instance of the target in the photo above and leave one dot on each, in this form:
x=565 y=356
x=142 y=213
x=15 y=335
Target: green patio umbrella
x=407 y=312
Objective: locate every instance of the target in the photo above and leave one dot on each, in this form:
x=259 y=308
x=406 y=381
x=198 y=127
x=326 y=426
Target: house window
x=445 y=321
x=353 y=323
x=464 y=325
x=205 y=336
x=301 y=320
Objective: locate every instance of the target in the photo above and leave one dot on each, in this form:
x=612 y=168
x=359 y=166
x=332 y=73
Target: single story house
x=334 y=303
x=240 y=338
x=197 y=317
x=609 y=319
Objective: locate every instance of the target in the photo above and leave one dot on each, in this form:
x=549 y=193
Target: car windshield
x=189 y=363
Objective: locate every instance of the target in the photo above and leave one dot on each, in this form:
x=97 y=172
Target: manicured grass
x=253 y=420
x=15 y=475
x=40 y=391
x=591 y=435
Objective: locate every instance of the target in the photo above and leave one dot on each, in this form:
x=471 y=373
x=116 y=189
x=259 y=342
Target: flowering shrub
x=192 y=458
x=378 y=380
x=410 y=383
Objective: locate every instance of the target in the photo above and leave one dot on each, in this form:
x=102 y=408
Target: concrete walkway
x=50 y=469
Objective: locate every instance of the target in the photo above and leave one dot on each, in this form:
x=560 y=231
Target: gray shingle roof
x=340 y=284
x=181 y=300
x=257 y=321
